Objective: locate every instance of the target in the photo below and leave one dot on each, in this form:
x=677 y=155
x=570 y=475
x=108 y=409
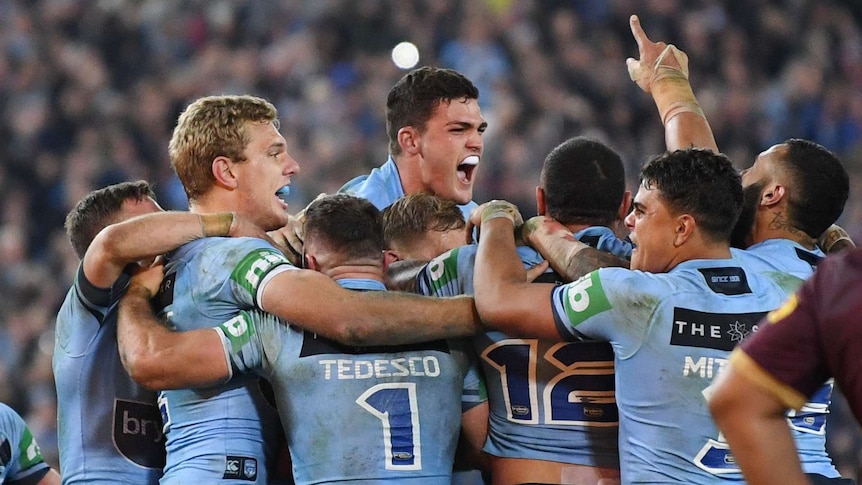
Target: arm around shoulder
x=318 y=304
x=158 y=358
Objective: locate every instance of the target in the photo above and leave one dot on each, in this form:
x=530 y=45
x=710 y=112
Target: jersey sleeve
x=98 y=300
x=251 y=341
x=255 y=269
x=582 y=308
x=444 y=275
x=19 y=451
x=608 y=305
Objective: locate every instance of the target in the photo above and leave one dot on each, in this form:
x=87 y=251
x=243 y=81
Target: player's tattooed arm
x=567 y=256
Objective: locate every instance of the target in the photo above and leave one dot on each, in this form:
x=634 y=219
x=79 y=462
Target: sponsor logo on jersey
x=239 y=330
x=165 y=296
x=138 y=433
x=251 y=270
x=240 y=468
x=584 y=298
x=441 y=270
x=727 y=281
x=720 y=331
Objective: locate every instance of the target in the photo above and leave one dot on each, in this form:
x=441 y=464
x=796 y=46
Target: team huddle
x=398 y=331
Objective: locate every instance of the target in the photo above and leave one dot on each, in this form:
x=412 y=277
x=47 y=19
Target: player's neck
x=409 y=173
x=357 y=271
x=778 y=227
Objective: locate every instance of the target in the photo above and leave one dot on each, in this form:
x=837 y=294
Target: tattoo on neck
x=782 y=223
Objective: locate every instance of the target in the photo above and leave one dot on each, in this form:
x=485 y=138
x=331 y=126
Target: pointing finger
x=638 y=32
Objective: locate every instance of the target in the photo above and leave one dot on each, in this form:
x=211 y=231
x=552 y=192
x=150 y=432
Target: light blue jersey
x=671 y=334
x=20 y=459
x=549 y=400
x=383 y=186
x=109 y=428
x=226 y=433
x=360 y=415
x=790 y=264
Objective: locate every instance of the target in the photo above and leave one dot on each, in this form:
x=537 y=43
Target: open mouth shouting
x=467 y=168
x=282 y=194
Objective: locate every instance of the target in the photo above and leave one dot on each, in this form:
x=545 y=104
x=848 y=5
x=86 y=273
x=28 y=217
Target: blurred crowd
x=90 y=91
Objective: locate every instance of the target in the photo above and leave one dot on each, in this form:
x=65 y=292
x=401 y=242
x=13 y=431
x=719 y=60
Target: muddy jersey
x=360 y=415
x=109 y=428
x=20 y=459
x=549 y=400
x=226 y=433
x=671 y=334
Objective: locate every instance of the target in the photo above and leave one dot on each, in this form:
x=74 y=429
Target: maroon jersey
x=815 y=335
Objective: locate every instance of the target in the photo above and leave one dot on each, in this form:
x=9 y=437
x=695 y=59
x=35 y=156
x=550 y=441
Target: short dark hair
x=820 y=186
x=698 y=182
x=348 y=225
x=99 y=209
x=411 y=216
x=584 y=182
x=414 y=97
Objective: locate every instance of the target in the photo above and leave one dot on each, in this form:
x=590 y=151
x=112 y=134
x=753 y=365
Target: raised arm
x=150 y=235
x=158 y=358
x=568 y=257
x=662 y=71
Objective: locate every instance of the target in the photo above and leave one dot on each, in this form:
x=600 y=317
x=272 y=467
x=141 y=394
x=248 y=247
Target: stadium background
x=90 y=90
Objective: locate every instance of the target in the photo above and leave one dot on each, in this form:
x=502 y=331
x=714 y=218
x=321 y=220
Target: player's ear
x=310 y=262
x=224 y=172
x=625 y=205
x=772 y=194
x=541 y=205
x=685 y=226
x=408 y=140
x=390 y=256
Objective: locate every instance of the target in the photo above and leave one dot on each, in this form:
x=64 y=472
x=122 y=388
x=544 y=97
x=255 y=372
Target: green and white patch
x=443 y=270
x=585 y=298
x=238 y=330
x=255 y=266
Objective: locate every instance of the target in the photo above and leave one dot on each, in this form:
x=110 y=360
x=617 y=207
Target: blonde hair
x=211 y=127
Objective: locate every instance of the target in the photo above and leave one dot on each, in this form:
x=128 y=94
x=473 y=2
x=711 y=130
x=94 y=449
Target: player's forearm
x=498 y=275
x=754 y=424
x=689 y=130
x=139 y=335
x=366 y=318
x=157 y=233
x=145 y=237
x=764 y=448
x=382 y=318
x=573 y=259
x=158 y=358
